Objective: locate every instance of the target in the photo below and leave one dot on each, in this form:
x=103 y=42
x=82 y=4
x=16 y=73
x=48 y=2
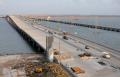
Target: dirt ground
x=29 y=65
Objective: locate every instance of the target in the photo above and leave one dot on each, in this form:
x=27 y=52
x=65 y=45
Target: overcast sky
x=60 y=7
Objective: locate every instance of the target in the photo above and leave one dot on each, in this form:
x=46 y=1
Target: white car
x=106 y=55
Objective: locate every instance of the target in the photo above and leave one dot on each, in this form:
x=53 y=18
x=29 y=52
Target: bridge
x=67 y=50
x=83 y=25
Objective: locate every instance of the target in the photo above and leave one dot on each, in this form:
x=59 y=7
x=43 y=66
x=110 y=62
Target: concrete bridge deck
x=91 y=66
x=30 y=31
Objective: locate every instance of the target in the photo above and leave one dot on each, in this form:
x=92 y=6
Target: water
x=107 y=38
x=10 y=41
x=108 y=21
x=102 y=21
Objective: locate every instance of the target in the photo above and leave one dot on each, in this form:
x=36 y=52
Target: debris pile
x=63 y=57
x=57 y=70
x=56 y=52
x=45 y=70
x=32 y=66
x=77 y=70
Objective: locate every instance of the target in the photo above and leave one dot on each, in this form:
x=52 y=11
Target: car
x=106 y=55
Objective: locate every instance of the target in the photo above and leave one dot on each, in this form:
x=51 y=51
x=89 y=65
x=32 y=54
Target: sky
x=60 y=7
